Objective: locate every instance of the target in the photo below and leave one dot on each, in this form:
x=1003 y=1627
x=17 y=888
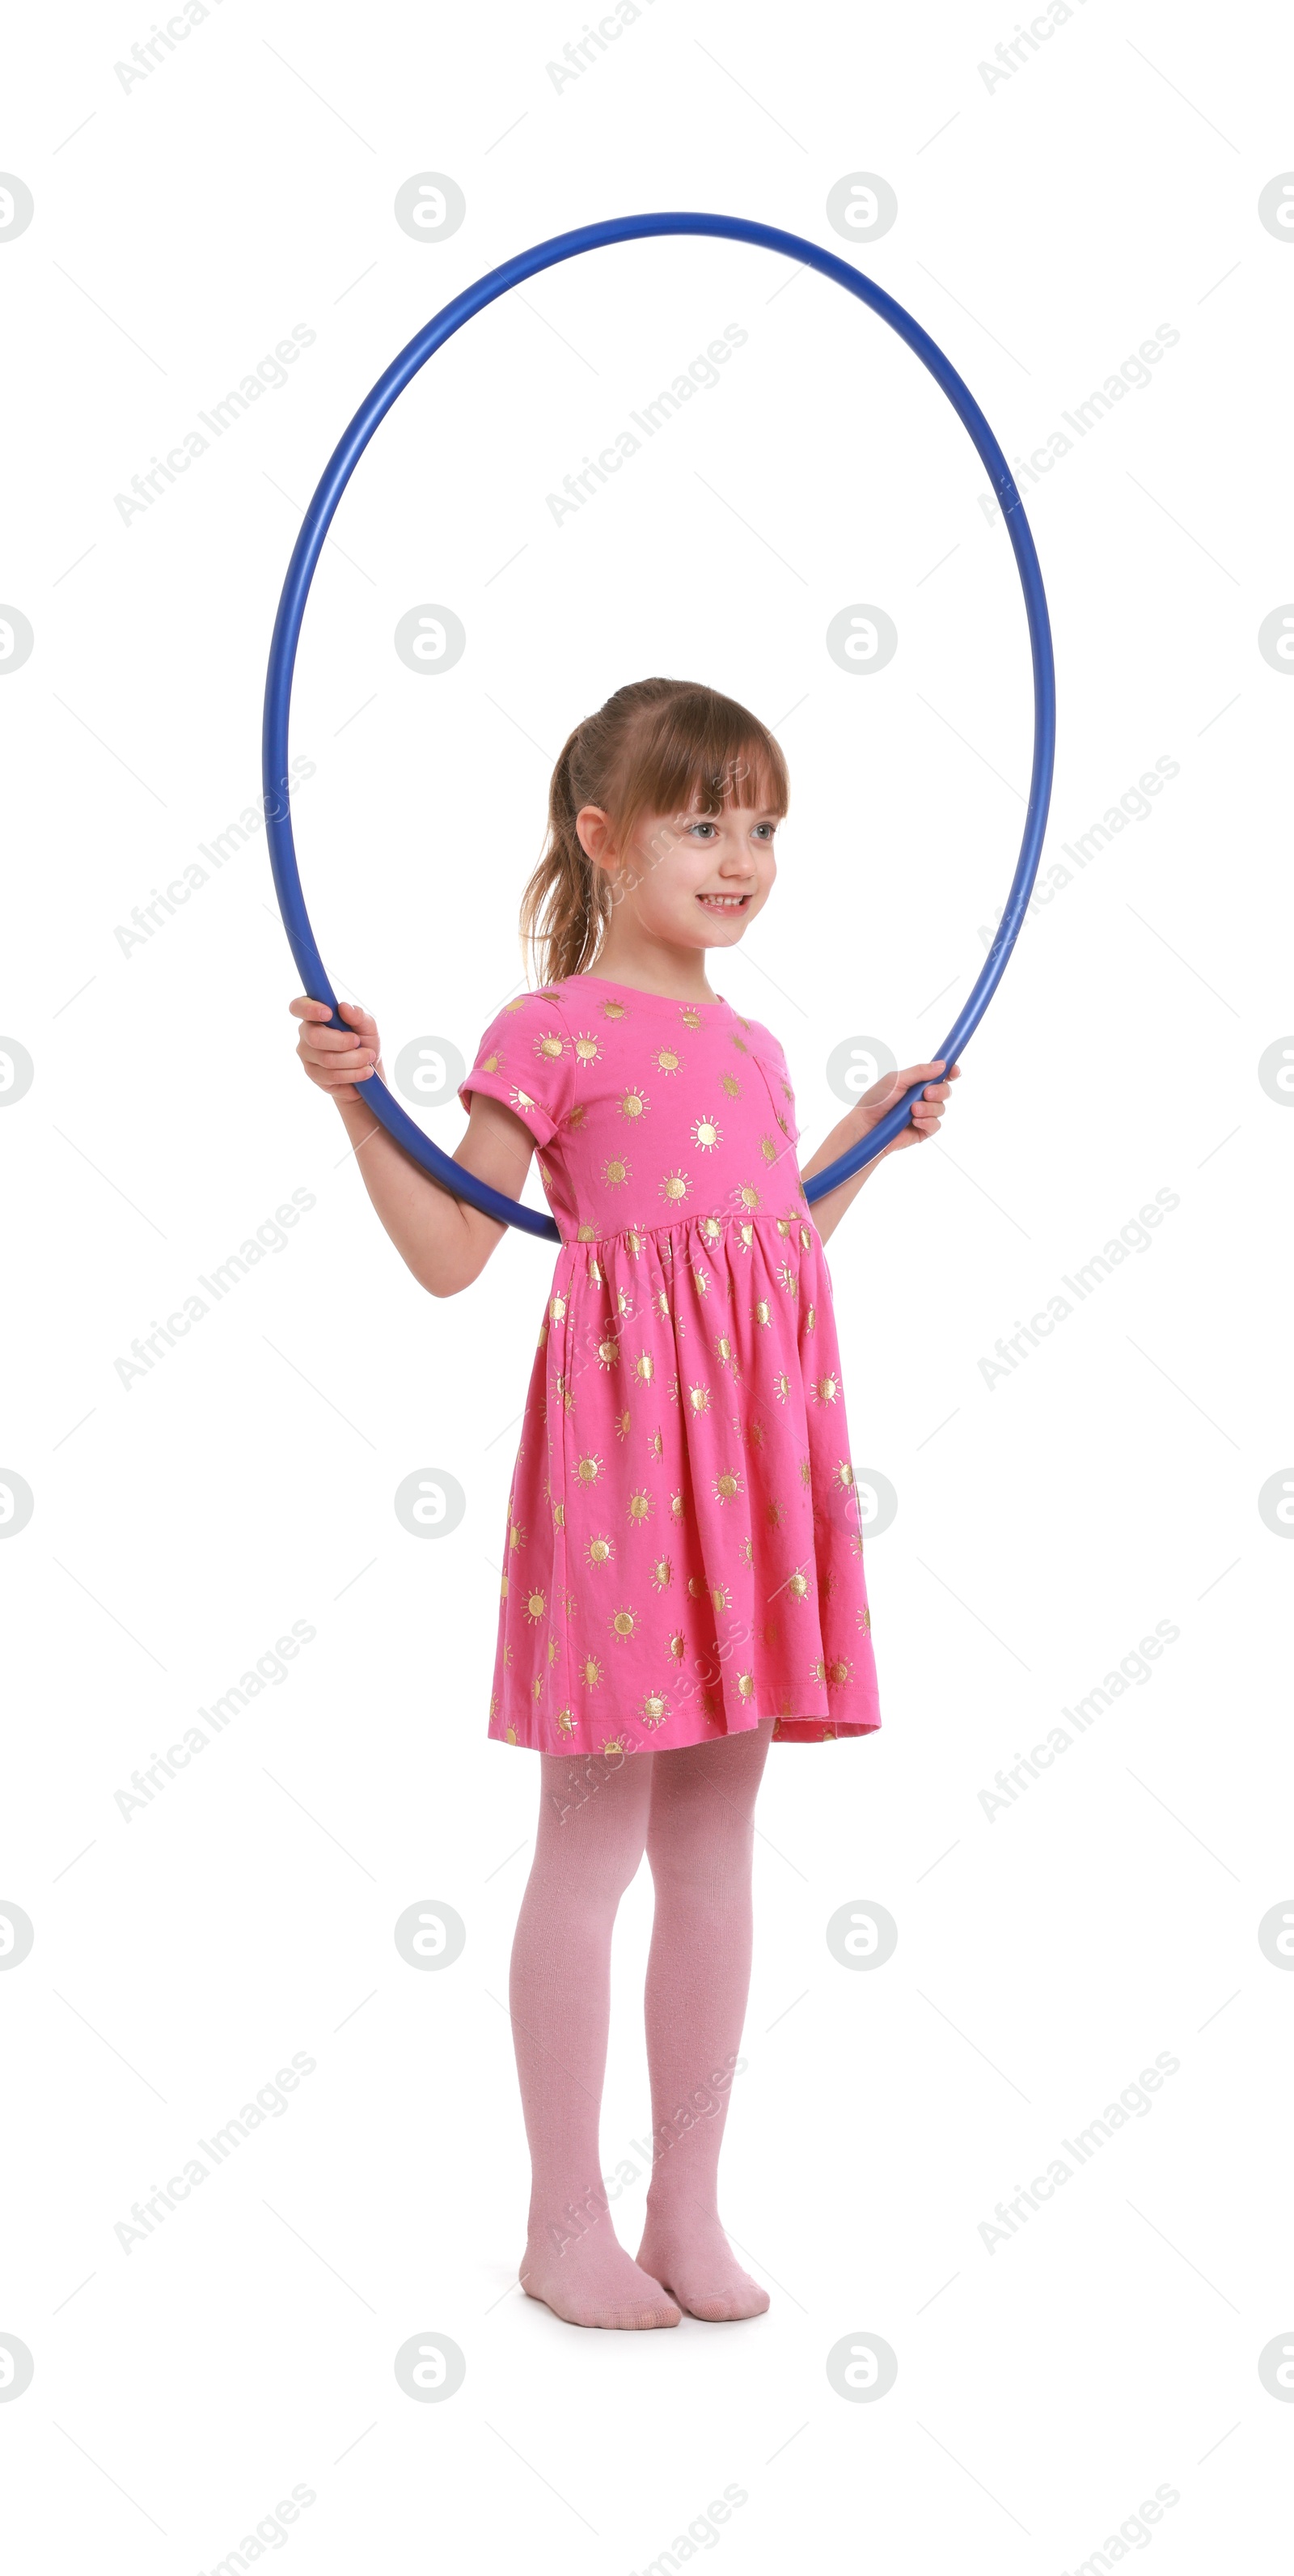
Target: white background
x=1047 y=1521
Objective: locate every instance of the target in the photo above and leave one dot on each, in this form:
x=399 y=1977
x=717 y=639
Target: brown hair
x=655 y=747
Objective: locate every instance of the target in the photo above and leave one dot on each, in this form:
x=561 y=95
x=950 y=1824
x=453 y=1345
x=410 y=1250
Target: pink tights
x=693 y=1811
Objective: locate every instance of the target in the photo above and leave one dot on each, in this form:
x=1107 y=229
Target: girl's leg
x=592 y=1828
x=700 y=1842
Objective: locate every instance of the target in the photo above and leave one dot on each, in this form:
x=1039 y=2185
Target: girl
x=684 y=1578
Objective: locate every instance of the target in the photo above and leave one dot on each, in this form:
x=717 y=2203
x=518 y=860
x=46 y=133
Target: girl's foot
x=690 y=2256
x=595 y=2283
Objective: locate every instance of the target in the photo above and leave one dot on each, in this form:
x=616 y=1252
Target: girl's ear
x=593 y=829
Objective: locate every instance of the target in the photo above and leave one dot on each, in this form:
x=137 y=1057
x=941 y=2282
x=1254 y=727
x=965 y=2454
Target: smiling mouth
x=723 y=902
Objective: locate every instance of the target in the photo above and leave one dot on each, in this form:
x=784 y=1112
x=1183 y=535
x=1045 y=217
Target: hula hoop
x=296 y=589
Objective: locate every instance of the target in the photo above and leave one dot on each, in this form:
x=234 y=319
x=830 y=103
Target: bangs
x=696 y=753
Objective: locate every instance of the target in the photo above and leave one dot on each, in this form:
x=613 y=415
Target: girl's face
x=692 y=880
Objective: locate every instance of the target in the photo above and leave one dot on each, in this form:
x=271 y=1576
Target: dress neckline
x=636 y=993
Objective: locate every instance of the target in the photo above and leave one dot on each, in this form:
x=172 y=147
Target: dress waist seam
x=586 y=1241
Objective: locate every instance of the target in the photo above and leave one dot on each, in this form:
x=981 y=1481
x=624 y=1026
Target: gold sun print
x=632 y=1102
x=662 y=1574
x=675 y=1186
x=797 y=1584
x=748 y=1194
x=587 y=1050
x=588 y=1470
x=654 y=1709
x=535 y=1608
x=667 y=1061
x=623 y=1424
x=699 y=1398
x=728 y=1082
x=826 y=1389
x=608 y=1351
x=615 y=1172
x=727 y=1486
x=590 y=1672
x=600 y=1551
x=706 y=1134
x=549 y=1045
x=639 y=1507
x=623 y=1624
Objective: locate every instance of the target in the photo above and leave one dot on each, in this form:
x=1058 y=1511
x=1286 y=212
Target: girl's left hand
x=926 y=1112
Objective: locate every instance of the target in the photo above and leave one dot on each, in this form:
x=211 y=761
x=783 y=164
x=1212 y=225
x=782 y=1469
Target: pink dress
x=683 y=1555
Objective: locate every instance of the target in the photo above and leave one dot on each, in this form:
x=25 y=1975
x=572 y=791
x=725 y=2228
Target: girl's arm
x=443 y=1241
x=926 y=1114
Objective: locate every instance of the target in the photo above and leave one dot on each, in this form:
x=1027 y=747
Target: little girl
x=683 y=1573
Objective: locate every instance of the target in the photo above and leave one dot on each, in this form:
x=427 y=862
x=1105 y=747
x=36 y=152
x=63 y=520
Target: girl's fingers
x=341 y=1081
x=359 y=1022
x=338 y=1041
x=338 y=1065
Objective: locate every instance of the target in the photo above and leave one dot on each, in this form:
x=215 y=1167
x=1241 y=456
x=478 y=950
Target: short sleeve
x=772 y=1061
x=526 y=1059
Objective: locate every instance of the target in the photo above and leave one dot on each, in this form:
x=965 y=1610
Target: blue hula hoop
x=296 y=589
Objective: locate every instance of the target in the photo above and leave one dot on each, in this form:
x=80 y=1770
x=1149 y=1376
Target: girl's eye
x=703 y=827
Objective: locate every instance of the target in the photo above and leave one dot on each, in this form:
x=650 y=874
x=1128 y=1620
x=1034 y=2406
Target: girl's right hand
x=336 y=1059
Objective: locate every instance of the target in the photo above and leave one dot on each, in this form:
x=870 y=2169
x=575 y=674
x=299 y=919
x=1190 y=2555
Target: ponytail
x=567 y=902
